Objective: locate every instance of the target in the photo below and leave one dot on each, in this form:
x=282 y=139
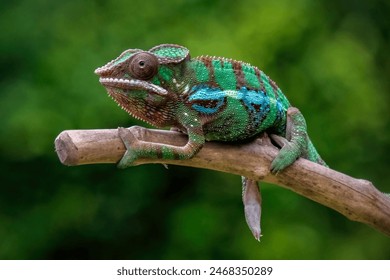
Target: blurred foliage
x=331 y=58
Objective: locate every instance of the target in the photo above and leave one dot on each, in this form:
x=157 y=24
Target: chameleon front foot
x=129 y=141
x=252 y=206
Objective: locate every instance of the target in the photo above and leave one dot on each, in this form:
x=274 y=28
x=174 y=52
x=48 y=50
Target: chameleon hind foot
x=252 y=206
x=295 y=143
x=286 y=156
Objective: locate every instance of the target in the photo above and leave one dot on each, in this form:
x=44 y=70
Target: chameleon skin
x=209 y=99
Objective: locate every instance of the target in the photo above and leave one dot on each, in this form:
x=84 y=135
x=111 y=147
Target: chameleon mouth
x=132 y=84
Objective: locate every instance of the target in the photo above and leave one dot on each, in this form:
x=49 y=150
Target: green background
x=331 y=58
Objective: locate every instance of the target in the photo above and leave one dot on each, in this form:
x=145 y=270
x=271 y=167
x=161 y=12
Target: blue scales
x=207 y=100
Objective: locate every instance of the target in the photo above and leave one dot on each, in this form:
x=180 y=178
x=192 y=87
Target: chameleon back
x=234 y=95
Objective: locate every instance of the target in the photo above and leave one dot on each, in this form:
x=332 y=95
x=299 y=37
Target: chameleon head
x=141 y=81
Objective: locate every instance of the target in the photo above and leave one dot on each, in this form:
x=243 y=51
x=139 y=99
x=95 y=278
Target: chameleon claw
x=282 y=161
x=128 y=140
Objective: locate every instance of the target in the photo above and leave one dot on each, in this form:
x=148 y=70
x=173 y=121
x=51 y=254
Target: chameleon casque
x=209 y=99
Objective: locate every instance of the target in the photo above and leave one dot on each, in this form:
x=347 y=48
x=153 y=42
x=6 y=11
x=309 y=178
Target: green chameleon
x=209 y=99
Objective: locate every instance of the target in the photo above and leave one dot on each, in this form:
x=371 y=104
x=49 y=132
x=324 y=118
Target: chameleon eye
x=143 y=65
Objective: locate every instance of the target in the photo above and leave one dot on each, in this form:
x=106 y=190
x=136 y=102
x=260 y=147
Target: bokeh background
x=331 y=58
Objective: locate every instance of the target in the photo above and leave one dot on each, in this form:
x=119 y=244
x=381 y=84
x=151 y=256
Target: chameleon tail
x=252 y=205
x=313 y=155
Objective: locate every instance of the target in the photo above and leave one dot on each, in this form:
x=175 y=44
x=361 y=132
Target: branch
x=356 y=199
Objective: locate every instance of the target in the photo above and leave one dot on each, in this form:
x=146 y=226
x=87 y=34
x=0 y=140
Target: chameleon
x=210 y=99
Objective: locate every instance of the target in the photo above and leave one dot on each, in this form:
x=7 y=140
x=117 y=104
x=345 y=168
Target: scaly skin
x=209 y=99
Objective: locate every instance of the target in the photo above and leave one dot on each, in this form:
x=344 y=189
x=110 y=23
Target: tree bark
x=356 y=199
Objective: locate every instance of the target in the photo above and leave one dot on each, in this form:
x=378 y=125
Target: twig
x=356 y=199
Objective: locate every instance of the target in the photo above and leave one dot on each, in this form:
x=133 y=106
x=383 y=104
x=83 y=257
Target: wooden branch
x=356 y=199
